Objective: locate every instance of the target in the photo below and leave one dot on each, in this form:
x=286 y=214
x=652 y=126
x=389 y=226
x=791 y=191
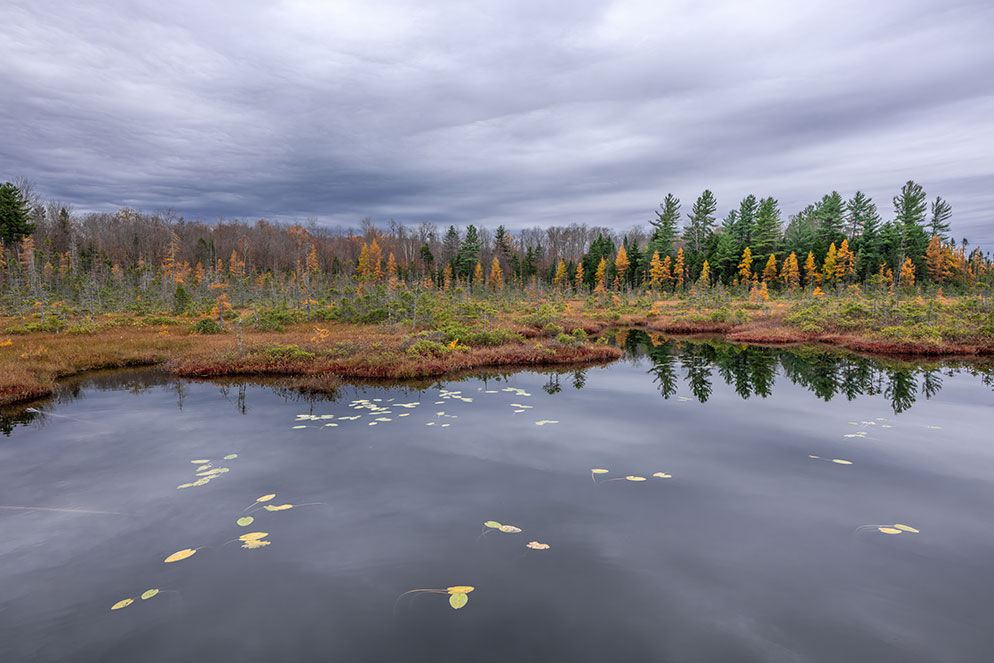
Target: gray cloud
x=519 y=112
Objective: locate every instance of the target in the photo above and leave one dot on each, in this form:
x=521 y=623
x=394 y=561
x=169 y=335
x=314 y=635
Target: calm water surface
x=750 y=551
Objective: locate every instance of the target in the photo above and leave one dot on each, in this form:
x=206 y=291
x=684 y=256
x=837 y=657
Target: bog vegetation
x=834 y=271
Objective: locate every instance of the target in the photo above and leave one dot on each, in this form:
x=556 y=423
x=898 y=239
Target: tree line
x=51 y=252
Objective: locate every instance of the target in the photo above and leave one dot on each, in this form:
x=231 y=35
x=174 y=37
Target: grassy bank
x=459 y=332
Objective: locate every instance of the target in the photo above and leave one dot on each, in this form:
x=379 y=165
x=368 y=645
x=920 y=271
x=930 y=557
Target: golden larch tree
x=655 y=270
x=845 y=262
x=908 y=274
x=745 y=265
x=621 y=264
x=830 y=264
x=560 y=278
x=811 y=274
x=579 y=276
x=679 y=271
x=600 y=277
x=496 y=276
x=770 y=271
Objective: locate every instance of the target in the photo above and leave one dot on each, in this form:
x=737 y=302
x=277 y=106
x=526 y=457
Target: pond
x=757 y=505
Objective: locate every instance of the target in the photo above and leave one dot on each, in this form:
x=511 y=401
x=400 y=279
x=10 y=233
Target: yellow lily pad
x=122 y=604
x=149 y=593
x=255 y=543
x=906 y=528
x=599 y=470
x=509 y=529
x=535 y=545
x=253 y=536
x=460 y=589
x=180 y=555
x=632 y=477
x=663 y=475
x=889 y=530
x=245 y=521
x=266 y=498
x=281 y=507
x=458 y=600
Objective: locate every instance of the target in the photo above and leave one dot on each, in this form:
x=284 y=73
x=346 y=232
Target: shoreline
x=34 y=364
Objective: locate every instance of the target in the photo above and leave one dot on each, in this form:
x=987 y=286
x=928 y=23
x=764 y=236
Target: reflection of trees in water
x=752 y=370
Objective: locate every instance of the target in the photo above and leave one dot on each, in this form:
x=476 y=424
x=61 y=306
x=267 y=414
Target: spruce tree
x=766 y=233
x=14 y=215
x=468 y=255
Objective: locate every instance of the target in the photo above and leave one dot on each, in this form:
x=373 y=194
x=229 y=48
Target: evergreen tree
x=861 y=215
x=939 y=223
x=665 y=225
x=725 y=256
x=830 y=213
x=602 y=247
x=910 y=207
x=766 y=230
x=745 y=222
x=702 y=218
x=468 y=256
x=450 y=245
x=14 y=215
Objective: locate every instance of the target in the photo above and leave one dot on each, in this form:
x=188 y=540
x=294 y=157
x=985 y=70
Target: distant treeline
x=831 y=243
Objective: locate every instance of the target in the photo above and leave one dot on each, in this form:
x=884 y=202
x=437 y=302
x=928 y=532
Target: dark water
x=749 y=552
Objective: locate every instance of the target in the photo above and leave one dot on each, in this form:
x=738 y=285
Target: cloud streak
x=520 y=113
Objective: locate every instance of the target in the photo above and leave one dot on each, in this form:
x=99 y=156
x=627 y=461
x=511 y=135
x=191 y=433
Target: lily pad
x=231 y=456
x=180 y=555
x=535 y=545
x=889 y=530
x=253 y=536
x=255 y=543
x=266 y=498
x=632 y=477
x=122 y=604
x=149 y=593
x=458 y=600
x=599 y=470
x=509 y=529
x=245 y=521
x=281 y=507
x=661 y=475
x=493 y=524
x=906 y=528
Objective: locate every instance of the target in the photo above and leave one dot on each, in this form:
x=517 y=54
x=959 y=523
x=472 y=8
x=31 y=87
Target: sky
x=523 y=113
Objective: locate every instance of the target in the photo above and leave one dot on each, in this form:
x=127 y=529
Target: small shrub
x=207 y=326
x=287 y=353
x=428 y=348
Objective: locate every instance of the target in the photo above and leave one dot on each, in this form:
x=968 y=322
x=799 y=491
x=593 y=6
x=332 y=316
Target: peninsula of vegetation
x=100 y=290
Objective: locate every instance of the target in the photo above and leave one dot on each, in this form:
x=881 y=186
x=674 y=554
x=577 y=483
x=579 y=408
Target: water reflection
x=753 y=370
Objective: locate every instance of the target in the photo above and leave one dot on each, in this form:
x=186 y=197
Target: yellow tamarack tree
x=560 y=278
x=579 y=276
x=656 y=275
x=745 y=265
x=621 y=264
x=790 y=273
x=770 y=271
x=845 y=262
x=679 y=270
x=496 y=276
x=811 y=274
x=831 y=262
x=705 y=278
x=600 y=277
x=478 y=274
x=908 y=274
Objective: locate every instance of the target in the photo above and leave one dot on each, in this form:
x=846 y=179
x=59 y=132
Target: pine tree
x=939 y=223
x=745 y=265
x=830 y=215
x=910 y=207
x=725 y=256
x=698 y=231
x=665 y=225
x=745 y=221
x=861 y=214
x=766 y=231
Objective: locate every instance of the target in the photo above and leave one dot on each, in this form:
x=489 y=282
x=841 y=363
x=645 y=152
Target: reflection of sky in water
x=749 y=551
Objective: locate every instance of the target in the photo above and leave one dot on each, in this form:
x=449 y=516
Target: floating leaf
x=662 y=475
x=460 y=589
x=841 y=462
x=122 y=604
x=810 y=456
x=509 y=529
x=545 y=421
x=208 y=473
x=632 y=477
x=255 y=543
x=204 y=467
x=493 y=524
x=184 y=485
x=231 y=456
x=458 y=600
x=253 y=536
x=266 y=498
x=598 y=470
x=905 y=528
x=180 y=555
x=889 y=530
x=281 y=507
x=201 y=482
x=201 y=461
x=245 y=522
x=149 y=593
x=535 y=545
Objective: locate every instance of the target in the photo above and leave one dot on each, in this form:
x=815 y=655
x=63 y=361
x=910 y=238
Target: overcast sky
x=516 y=112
